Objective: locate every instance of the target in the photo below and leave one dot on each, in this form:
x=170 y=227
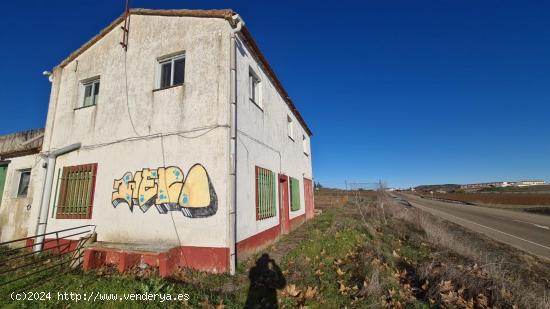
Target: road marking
x=541 y=226
x=490 y=228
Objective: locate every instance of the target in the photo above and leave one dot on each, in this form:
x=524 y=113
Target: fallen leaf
x=292 y=290
x=445 y=286
x=205 y=304
x=342 y=288
x=482 y=300
x=425 y=285
x=310 y=292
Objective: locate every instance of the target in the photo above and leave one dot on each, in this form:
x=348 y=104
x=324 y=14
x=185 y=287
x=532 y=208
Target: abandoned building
x=170 y=133
x=20 y=176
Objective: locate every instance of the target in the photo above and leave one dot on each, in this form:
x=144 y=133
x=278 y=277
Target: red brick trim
x=208 y=259
x=259 y=240
x=53 y=245
x=297 y=221
x=308 y=198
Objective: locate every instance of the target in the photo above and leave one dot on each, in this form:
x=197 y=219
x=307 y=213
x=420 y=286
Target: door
x=284 y=217
x=3 y=170
x=308 y=196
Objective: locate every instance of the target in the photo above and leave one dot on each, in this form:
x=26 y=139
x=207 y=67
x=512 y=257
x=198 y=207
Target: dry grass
x=461 y=268
x=326 y=198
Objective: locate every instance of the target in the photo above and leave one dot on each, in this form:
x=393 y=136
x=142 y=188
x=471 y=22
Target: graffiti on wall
x=168 y=189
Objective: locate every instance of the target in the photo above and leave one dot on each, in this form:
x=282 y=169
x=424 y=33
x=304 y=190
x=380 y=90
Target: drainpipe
x=239 y=23
x=47 y=192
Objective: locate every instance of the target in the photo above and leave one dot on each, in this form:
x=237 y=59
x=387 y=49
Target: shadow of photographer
x=265 y=279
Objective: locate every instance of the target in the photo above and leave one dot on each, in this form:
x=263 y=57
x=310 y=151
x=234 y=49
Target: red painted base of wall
x=209 y=259
x=261 y=240
x=214 y=260
x=53 y=245
x=297 y=221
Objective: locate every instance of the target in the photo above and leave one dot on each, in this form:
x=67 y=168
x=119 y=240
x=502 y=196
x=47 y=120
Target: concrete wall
x=198 y=111
x=263 y=141
x=18 y=213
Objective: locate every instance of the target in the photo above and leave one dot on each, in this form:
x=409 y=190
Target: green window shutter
x=265 y=192
x=75 y=197
x=294 y=194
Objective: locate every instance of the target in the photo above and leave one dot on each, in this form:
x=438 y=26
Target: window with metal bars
x=76 y=193
x=294 y=194
x=265 y=194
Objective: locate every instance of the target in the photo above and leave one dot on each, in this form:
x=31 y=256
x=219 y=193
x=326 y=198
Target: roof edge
x=21 y=153
x=226 y=14
x=254 y=46
x=223 y=13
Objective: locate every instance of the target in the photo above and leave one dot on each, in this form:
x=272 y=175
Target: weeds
x=453 y=267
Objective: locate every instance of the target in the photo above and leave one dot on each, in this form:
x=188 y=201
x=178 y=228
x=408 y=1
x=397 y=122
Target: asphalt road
x=529 y=232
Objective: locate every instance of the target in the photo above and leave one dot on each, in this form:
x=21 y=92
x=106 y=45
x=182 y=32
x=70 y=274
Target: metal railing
x=21 y=267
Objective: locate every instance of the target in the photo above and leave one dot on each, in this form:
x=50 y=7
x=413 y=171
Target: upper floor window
x=90 y=92
x=24 y=179
x=254 y=87
x=171 y=71
x=305 y=145
x=290 y=127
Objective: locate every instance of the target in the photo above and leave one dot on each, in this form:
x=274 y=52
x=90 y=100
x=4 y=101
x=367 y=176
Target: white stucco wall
x=202 y=102
x=263 y=141
x=108 y=130
x=18 y=213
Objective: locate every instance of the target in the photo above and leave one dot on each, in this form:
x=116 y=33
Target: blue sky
x=411 y=92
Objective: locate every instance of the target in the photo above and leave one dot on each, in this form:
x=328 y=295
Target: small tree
x=381 y=196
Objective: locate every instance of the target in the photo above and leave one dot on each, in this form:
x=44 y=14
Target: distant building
x=526 y=183
x=495 y=184
x=500 y=184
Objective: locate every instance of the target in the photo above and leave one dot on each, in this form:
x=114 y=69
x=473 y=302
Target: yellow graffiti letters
x=124 y=190
x=170 y=181
x=168 y=189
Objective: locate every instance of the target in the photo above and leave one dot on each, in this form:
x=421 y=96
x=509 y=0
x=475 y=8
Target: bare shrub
x=374 y=288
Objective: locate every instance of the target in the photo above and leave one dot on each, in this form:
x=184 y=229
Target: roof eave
x=226 y=14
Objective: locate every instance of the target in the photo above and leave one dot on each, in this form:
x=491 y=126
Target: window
x=265 y=194
x=24 y=178
x=171 y=71
x=305 y=145
x=290 y=127
x=90 y=91
x=254 y=87
x=294 y=194
x=76 y=193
